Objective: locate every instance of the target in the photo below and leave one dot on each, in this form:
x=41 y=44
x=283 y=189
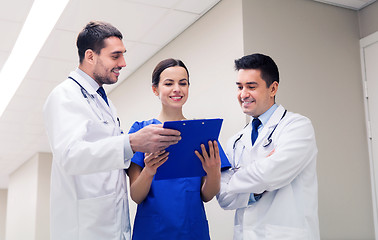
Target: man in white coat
x=273 y=183
x=88 y=182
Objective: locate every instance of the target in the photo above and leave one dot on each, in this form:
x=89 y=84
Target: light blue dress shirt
x=90 y=80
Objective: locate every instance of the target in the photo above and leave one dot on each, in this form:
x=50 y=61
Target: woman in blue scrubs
x=171 y=209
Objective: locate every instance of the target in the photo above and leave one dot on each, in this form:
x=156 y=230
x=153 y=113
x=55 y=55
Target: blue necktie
x=102 y=93
x=255 y=125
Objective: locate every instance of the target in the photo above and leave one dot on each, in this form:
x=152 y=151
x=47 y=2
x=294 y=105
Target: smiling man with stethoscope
x=273 y=183
x=88 y=182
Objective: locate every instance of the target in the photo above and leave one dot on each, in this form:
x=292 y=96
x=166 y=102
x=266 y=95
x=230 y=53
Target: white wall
x=316 y=47
x=43 y=197
x=208 y=48
x=3 y=212
x=22 y=200
x=28 y=200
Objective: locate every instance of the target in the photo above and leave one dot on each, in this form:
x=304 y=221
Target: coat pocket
x=97 y=218
x=274 y=232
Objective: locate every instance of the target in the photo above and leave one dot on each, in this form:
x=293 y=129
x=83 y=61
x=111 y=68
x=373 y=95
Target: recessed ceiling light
x=42 y=18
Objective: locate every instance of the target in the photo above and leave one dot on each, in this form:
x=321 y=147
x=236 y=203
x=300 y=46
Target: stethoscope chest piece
x=267 y=142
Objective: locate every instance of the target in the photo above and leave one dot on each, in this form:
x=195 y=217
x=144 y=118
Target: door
x=369 y=62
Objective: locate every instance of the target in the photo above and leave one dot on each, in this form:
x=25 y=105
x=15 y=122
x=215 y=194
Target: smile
x=247 y=102
x=176 y=98
x=116 y=71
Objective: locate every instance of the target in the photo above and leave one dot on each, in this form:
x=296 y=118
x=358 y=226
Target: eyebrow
x=119 y=52
x=171 y=80
x=247 y=83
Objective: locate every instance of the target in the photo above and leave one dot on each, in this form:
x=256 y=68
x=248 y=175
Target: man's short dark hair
x=93 y=35
x=268 y=68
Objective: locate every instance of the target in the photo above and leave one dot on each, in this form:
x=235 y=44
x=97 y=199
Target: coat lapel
x=272 y=122
x=110 y=110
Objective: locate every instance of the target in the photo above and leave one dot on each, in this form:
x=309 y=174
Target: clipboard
x=182 y=161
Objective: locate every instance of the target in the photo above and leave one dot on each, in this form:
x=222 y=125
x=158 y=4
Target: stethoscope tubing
x=85 y=95
x=268 y=141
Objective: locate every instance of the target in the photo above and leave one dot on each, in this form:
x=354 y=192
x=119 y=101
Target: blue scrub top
x=173 y=209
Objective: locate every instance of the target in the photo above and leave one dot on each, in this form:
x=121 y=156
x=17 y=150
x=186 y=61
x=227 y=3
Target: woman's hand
x=211 y=162
x=141 y=178
x=154 y=160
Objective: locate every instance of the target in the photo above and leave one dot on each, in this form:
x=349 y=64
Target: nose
x=176 y=88
x=243 y=93
x=122 y=62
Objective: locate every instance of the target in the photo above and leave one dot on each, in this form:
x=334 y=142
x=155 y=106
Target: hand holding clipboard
x=182 y=160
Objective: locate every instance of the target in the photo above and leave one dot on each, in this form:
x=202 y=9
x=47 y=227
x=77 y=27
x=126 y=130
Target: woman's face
x=173 y=87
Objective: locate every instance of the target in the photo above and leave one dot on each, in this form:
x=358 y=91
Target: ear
x=155 y=91
x=273 y=89
x=89 y=56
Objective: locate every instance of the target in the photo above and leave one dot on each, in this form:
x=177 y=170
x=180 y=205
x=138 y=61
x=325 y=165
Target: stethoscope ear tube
x=268 y=141
x=241 y=135
x=85 y=95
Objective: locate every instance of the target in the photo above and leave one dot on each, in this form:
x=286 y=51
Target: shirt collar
x=264 y=118
x=90 y=80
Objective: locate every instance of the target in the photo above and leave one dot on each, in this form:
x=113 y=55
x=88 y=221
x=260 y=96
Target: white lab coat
x=88 y=182
x=288 y=208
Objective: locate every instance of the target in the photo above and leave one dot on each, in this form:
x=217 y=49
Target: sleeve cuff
x=251 y=199
x=128 y=152
x=254 y=198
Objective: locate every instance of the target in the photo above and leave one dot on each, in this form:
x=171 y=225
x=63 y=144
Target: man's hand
x=153 y=138
x=271 y=153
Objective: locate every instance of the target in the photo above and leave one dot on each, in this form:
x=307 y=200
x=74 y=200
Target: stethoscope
x=83 y=91
x=267 y=141
x=85 y=95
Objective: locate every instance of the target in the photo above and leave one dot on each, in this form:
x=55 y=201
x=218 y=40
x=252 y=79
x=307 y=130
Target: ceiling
x=147 y=25
x=351 y=4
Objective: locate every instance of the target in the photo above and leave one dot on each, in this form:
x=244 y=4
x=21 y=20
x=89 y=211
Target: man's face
x=254 y=96
x=109 y=62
